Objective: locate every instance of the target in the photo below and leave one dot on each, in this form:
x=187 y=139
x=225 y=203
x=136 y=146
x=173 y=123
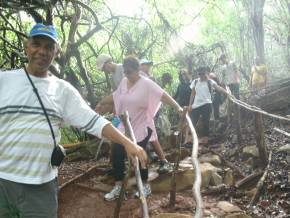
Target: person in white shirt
x=200 y=103
x=28 y=184
x=106 y=64
x=231 y=75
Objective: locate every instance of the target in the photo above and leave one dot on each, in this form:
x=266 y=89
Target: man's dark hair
x=131 y=64
x=223 y=57
x=203 y=70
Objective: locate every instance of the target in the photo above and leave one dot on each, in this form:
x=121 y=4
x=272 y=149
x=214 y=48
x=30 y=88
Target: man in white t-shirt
x=231 y=75
x=28 y=186
x=106 y=64
x=200 y=103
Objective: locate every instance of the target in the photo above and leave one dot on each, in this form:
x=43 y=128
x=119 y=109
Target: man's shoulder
x=10 y=75
x=12 y=71
x=62 y=82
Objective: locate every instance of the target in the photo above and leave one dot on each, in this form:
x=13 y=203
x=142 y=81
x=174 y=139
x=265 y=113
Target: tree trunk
x=256 y=10
x=288 y=38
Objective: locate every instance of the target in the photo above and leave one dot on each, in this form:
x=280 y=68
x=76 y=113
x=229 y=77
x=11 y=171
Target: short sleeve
x=117 y=95
x=213 y=83
x=155 y=93
x=192 y=85
x=77 y=113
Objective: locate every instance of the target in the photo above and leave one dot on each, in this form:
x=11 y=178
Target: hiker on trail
x=201 y=100
x=166 y=80
x=183 y=91
x=116 y=71
x=217 y=97
x=28 y=168
x=182 y=96
x=145 y=68
x=258 y=78
x=231 y=75
x=141 y=97
x=164 y=165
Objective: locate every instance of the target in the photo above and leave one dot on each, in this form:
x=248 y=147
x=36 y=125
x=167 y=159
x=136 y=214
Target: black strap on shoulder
x=42 y=106
x=209 y=86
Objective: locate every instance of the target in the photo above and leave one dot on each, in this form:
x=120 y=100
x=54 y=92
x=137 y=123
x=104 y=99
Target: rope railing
x=197 y=172
x=129 y=130
x=255 y=108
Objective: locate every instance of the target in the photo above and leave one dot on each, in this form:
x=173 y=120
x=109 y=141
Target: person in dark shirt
x=183 y=91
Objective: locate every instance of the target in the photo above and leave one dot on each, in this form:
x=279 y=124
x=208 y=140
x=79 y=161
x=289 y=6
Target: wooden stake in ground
x=238 y=124
x=260 y=138
x=178 y=141
x=130 y=134
x=261 y=182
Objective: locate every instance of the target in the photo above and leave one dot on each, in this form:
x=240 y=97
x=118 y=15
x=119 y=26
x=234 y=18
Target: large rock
x=172 y=215
x=228 y=207
x=238 y=215
x=184 y=177
x=285 y=149
x=210 y=158
x=229 y=178
x=216 y=179
x=277 y=98
x=250 y=151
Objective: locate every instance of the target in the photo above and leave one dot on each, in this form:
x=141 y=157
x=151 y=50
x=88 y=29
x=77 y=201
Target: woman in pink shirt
x=141 y=97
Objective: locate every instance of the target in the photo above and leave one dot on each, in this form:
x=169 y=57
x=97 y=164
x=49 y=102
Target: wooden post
x=178 y=140
x=172 y=197
x=260 y=138
x=238 y=124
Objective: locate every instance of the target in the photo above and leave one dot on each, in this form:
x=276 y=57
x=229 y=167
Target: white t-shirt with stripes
x=26 y=143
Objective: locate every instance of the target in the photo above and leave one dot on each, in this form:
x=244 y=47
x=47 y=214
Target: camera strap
x=42 y=106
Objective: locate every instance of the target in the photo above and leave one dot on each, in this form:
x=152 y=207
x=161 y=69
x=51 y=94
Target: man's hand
x=99 y=109
x=134 y=150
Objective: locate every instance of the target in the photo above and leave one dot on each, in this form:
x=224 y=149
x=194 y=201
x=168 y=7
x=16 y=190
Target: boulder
x=210 y=158
x=229 y=178
x=172 y=215
x=284 y=149
x=228 y=207
x=250 y=151
x=216 y=179
x=184 y=177
x=238 y=215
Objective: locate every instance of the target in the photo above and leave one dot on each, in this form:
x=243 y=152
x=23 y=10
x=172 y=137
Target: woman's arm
x=167 y=99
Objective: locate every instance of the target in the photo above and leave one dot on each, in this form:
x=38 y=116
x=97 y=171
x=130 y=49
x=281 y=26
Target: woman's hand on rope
x=180 y=111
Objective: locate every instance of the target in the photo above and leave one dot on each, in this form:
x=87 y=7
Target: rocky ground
x=230 y=173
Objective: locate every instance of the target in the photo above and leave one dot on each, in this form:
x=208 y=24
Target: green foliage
x=174 y=34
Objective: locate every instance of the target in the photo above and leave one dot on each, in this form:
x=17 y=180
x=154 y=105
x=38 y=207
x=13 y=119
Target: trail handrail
x=197 y=172
x=128 y=126
x=255 y=109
